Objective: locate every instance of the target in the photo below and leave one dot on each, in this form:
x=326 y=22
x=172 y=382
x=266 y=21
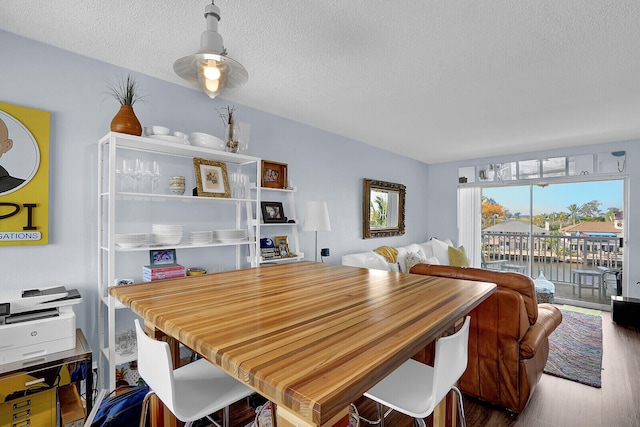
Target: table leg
x=286 y=418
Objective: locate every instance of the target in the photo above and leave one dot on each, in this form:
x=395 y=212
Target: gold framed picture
x=274 y=174
x=282 y=243
x=211 y=178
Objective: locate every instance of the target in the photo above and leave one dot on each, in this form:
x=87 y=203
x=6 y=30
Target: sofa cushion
x=441 y=251
x=458 y=257
x=413 y=258
x=368 y=259
x=427 y=249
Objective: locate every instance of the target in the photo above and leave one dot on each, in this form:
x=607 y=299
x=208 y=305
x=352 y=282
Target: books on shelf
x=159 y=272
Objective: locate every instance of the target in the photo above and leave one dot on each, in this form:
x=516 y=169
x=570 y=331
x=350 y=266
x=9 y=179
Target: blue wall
x=323 y=166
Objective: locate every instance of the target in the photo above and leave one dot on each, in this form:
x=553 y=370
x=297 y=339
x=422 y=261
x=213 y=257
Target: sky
x=556 y=197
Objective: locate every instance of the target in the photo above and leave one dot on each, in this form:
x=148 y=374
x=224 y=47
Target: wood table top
x=311 y=337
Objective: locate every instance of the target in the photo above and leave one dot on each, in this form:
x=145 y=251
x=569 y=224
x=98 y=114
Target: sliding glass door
x=570 y=232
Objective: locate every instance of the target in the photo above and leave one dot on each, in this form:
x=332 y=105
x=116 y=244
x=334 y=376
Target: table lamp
x=316 y=218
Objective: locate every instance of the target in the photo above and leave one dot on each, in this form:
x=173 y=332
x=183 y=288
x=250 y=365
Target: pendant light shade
x=211 y=69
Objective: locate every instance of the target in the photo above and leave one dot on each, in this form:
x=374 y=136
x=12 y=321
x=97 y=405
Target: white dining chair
x=415 y=389
x=191 y=392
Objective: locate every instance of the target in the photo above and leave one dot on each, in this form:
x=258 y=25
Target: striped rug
x=575 y=348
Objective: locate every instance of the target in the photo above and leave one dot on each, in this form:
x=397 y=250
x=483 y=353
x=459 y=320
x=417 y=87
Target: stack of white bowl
x=235 y=235
x=200 y=237
x=167 y=234
x=205 y=140
x=131 y=240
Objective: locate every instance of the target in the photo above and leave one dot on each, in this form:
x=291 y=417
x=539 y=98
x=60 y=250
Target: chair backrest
x=450 y=360
x=156 y=366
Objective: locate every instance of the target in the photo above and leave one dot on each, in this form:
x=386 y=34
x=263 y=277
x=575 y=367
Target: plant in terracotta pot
x=126 y=92
x=231 y=131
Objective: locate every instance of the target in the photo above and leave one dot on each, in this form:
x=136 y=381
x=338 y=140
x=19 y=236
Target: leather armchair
x=508 y=337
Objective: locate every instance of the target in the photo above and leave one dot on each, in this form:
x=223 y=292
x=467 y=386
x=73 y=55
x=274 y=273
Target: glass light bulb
x=212 y=85
x=212 y=72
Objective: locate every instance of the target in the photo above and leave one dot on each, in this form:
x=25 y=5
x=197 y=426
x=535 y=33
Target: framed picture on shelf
x=274 y=174
x=162 y=257
x=282 y=243
x=211 y=178
x=272 y=212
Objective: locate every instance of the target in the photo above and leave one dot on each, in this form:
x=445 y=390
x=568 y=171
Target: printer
x=36 y=322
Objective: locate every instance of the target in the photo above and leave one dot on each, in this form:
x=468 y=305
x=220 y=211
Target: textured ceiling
x=436 y=80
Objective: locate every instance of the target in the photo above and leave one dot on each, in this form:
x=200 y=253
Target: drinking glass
x=126 y=175
x=155 y=175
x=139 y=174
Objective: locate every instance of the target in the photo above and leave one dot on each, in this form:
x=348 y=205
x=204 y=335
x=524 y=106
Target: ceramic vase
x=126 y=121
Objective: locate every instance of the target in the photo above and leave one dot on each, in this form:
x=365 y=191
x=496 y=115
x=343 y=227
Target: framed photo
x=162 y=257
x=274 y=174
x=211 y=178
x=272 y=212
x=282 y=243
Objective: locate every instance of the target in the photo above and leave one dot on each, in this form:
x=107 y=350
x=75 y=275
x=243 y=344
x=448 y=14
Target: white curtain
x=470 y=223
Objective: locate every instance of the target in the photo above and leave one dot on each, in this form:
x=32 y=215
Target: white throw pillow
x=414 y=258
x=427 y=248
x=376 y=261
x=432 y=260
x=441 y=251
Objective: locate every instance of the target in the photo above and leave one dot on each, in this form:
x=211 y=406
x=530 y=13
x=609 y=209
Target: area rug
x=575 y=349
x=581 y=310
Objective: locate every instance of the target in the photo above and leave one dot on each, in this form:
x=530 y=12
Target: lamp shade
x=316 y=217
x=211 y=69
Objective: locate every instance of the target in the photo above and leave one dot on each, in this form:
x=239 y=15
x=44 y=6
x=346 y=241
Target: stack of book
x=159 y=272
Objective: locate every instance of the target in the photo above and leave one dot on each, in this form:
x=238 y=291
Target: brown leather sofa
x=508 y=337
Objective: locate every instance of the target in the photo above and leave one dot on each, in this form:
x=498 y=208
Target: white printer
x=36 y=322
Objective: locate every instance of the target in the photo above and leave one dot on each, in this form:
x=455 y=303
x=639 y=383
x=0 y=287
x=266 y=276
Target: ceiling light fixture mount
x=211 y=69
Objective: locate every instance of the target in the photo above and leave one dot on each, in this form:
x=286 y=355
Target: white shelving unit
x=133 y=212
x=287 y=198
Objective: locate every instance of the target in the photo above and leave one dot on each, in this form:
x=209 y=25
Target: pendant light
x=211 y=69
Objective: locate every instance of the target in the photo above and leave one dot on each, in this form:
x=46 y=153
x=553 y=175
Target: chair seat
x=202 y=388
x=400 y=390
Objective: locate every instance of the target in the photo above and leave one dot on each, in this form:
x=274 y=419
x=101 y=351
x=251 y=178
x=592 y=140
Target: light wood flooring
x=556 y=402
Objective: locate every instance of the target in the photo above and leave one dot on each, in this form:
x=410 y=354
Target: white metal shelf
x=141 y=143
x=287 y=197
x=112 y=258
x=179 y=246
x=155 y=197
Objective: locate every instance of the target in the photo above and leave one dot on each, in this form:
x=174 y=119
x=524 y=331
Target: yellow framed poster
x=24 y=175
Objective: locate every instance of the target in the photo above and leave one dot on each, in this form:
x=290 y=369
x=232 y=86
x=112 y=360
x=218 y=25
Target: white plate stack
x=226 y=236
x=200 y=237
x=167 y=234
x=131 y=240
x=205 y=140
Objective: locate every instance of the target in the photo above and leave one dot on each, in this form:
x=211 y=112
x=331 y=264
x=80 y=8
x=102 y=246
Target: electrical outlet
x=325 y=252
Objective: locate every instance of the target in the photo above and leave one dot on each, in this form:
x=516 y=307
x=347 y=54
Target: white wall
x=443 y=182
x=322 y=165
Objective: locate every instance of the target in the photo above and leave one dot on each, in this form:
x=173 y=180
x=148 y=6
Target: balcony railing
x=556 y=256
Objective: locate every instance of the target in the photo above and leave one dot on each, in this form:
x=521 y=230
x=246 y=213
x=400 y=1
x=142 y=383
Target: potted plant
x=231 y=131
x=126 y=92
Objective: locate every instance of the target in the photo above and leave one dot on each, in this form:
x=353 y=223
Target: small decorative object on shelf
x=282 y=242
x=231 y=131
x=127 y=93
x=211 y=178
x=274 y=174
x=272 y=212
x=268 y=249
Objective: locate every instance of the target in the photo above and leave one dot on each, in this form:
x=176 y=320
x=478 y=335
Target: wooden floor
x=556 y=401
